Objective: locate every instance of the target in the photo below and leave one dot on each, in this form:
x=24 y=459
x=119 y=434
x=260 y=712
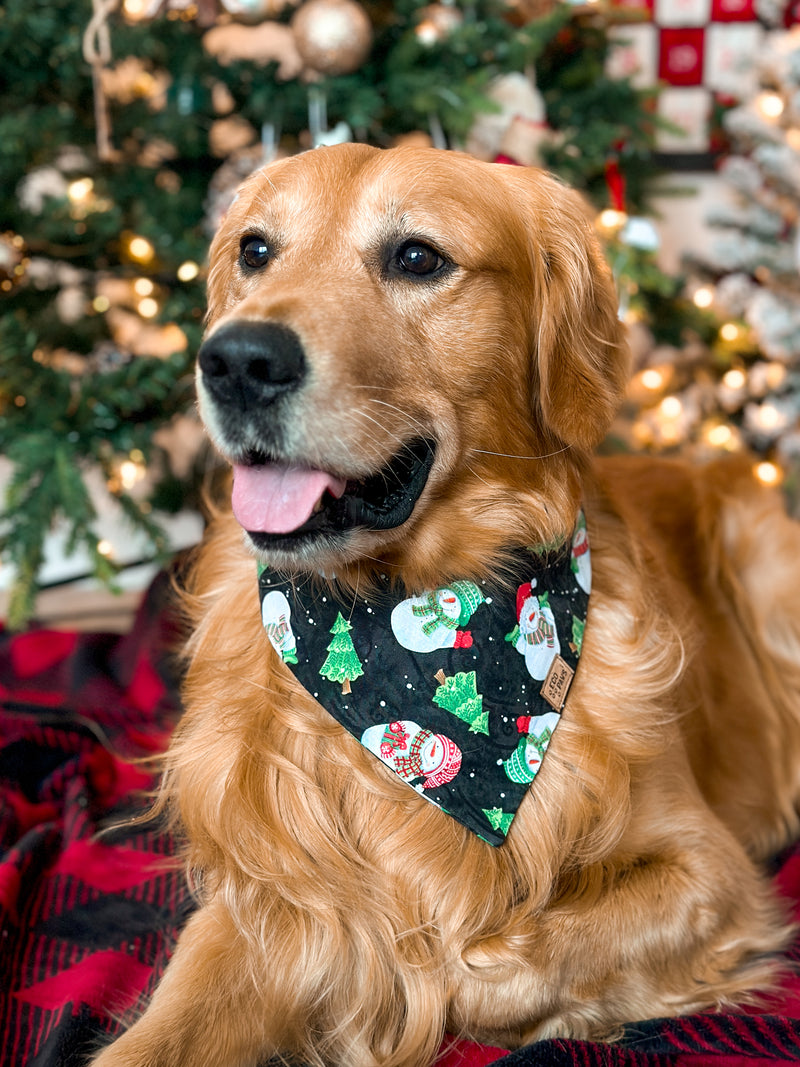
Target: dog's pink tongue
x=277 y=499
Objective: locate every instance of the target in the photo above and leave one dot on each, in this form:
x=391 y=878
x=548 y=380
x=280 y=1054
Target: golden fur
x=345 y=921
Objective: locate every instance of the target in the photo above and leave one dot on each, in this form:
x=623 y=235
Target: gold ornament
x=437 y=22
x=332 y=36
x=132 y=79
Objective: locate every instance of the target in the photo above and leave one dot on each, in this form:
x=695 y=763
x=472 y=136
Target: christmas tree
x=125 y=132
x=738 y=383
x=343 y=664
x=753 y=261
x=458 y=695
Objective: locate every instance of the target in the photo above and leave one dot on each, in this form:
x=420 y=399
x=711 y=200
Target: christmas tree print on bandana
x=578 y=628
x=459 y=696
x=342 y=664
x=436 y=620
x=459 y=690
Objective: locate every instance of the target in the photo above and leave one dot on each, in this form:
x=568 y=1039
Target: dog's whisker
x=508 y=455
x=401 y=442
x=256 y=685
x=410 y=419
x=480 y=477
x=355 y=591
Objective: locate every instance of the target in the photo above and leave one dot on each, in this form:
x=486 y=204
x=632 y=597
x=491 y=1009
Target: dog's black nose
x=249 y=364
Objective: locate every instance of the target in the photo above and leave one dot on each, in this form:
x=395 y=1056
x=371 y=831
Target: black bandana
x=457 y=691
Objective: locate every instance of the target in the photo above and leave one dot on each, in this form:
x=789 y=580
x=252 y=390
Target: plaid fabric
x=87 y=922
x=698 y=52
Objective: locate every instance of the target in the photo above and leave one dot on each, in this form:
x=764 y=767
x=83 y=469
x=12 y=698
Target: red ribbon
x=615 y=180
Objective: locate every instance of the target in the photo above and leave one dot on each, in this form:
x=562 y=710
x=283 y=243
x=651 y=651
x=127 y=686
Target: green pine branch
x=53 y=426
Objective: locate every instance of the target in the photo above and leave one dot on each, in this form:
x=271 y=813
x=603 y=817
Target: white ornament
x=640 y=233
x=40 y=184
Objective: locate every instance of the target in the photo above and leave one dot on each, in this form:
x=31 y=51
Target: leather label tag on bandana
x=459 y=690
x=557 y=683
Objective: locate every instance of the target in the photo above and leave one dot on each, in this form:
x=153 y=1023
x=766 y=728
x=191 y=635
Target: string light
x=143 y=287
x=767 y=417
x=188 y=271
x=671 y=407
x=136 y=9
x=140 y=249
x=611 y=220
x=652 y=379
x=770 y=105
x=720 y=436
x=427 y=32
x=735 y=379
x=703 y=297
x=80 y=190
x=147 y=308
x=768 y=473
x=775 y=375
x=729 y=331
x=132 y=470
x=83 y=200
x=437 y=24
x=101 y=304
x=105 y=548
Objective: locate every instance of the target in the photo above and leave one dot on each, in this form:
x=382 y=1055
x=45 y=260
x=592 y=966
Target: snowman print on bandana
x=524 y=763
x=435 y=620
x=535 y=636
x=422 y=758
x=580 y=557
x=275 y=613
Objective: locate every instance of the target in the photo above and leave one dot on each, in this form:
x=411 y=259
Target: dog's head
x=400 y=343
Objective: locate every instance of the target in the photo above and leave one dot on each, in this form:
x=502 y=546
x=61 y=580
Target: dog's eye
x=254 y=252
x=419 y=259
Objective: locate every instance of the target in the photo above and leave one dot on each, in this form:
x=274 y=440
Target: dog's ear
x=579 y=344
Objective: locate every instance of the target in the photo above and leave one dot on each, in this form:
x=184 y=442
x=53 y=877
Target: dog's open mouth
x=276 y=501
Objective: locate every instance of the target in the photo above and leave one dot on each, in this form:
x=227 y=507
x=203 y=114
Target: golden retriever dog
x=409 y=360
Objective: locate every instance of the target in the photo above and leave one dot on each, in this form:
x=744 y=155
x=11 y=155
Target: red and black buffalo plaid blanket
x=88 y=916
